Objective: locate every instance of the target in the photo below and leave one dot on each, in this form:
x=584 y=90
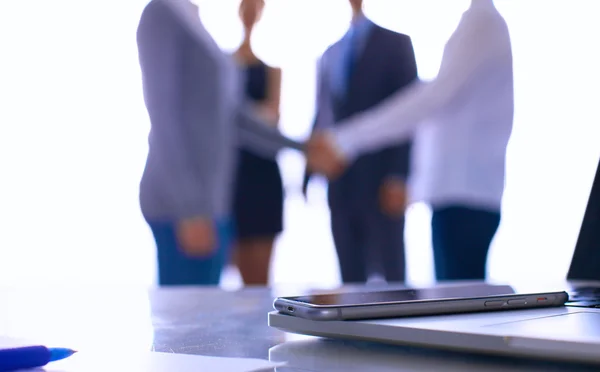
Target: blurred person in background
x=258 y=200
x=367 y=202
x=199 y=119
x=463 y=121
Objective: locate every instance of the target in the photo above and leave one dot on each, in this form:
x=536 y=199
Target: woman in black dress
x=258 y=202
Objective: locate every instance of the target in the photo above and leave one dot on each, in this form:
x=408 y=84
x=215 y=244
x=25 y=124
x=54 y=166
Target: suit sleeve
x=321 y=106
x=403 y=72
x=187 y=187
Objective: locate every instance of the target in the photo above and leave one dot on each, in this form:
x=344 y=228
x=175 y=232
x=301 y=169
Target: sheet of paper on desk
x=157 y=362
x=122 y=361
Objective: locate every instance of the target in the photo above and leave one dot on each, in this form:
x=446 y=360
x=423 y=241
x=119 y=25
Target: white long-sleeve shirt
x=461 y=120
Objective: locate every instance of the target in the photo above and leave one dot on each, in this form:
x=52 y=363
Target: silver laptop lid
x=585 y=264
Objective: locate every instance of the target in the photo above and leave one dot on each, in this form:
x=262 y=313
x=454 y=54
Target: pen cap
x=23 y=358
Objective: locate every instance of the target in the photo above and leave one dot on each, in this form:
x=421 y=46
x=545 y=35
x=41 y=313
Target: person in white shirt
x=462 y=121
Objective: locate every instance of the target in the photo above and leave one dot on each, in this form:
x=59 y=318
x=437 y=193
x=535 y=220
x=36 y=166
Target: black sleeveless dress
x=258 y=198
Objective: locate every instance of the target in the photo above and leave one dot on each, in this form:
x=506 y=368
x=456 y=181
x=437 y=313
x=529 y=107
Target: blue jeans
x=176 y=268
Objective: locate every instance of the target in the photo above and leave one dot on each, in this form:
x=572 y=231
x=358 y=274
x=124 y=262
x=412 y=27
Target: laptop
x=569 y=333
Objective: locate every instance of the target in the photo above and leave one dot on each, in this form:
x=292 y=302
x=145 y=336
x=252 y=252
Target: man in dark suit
x=368 y=200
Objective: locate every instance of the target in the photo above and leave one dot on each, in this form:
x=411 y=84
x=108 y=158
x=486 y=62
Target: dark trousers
x=461 y=240
x=175 y=268
x=368 y=243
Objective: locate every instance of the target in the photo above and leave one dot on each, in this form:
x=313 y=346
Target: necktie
x=349 y=60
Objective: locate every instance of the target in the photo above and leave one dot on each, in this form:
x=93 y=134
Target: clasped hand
x=322 y=156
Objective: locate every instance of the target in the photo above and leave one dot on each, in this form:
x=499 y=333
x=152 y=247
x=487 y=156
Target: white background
x=73 y=134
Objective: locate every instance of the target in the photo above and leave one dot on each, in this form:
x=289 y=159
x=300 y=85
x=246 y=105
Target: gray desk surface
x=209 y=321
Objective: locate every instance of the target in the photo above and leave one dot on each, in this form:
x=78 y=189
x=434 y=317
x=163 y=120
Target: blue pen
x=28 y=357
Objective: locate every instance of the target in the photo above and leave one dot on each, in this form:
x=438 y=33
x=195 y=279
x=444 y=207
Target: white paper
x=121 y=361
x=156 y=362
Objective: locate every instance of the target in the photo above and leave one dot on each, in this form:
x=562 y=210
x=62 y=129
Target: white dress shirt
x=461 y=120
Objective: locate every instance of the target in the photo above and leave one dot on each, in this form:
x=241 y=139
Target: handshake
x=322 y=157
x=198 y=238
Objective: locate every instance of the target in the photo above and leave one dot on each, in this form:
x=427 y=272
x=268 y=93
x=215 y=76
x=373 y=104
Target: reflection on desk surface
x=322 y=355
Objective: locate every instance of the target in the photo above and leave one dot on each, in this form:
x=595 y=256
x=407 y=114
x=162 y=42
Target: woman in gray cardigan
x=199 y=119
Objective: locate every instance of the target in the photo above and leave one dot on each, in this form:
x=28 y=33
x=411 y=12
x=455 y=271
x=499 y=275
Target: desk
x=209 y=321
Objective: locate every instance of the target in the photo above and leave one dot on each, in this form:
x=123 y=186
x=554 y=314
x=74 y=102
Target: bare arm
x=321 y=108
x=271 y=107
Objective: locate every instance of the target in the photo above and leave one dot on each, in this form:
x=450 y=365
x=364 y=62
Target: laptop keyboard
x=585 y=297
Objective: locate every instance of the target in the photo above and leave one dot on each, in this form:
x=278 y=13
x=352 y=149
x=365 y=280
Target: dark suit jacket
x=386 y=65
